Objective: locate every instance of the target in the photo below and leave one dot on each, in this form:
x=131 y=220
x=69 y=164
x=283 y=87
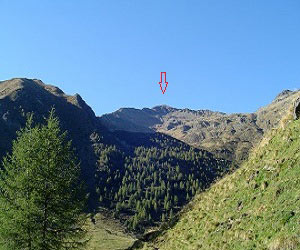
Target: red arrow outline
x=160 y=83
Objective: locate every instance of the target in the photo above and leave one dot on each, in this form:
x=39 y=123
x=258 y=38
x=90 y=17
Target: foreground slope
x=257 y=207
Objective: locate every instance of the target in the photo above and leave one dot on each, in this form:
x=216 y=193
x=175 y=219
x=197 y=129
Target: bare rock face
x=229 y=136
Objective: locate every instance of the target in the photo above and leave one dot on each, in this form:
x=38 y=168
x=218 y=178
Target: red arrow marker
x=165 y=82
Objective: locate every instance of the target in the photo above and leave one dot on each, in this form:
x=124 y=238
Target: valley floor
x=108 y=234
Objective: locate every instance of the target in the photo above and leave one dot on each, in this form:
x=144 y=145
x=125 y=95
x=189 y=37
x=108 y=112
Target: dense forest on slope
x=153 y=178
x=257 y=207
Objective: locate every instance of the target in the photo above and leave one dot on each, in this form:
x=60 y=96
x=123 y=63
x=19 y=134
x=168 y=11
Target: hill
x=228 y=136
x=256 y=207
x=20 y=96
x=141 y=178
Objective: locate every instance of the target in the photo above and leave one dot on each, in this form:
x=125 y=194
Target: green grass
x=108 y=234
x=257 y=207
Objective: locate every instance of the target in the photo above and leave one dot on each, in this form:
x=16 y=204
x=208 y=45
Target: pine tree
x=41 y=198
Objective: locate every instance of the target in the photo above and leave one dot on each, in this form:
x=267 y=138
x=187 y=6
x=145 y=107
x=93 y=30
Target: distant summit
x=164 y=109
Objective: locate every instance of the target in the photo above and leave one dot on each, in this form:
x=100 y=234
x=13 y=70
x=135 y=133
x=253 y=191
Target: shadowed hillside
x=20 y=96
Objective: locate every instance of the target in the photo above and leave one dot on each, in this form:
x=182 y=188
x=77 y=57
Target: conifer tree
x=41 y=197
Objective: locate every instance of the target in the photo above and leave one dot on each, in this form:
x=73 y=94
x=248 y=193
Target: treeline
x=147 y=184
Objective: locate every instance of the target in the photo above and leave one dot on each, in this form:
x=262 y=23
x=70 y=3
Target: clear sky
x=225 y=55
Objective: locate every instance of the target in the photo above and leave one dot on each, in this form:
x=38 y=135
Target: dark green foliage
x=41 y=199
x=153 y=179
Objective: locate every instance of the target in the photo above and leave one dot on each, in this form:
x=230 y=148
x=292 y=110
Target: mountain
x=228 y=136
x=142 y=166
x=20 y=96
x=141 y=178
x=256 y=207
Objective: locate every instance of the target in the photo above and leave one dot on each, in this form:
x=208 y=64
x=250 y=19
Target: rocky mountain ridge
x=229 y=136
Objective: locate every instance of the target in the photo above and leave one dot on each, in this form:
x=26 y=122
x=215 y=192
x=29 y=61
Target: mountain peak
x=162 y=106
x=283 y=94
x=164 y=109
x=14 y=84
x=11 y=88
x=36 y=92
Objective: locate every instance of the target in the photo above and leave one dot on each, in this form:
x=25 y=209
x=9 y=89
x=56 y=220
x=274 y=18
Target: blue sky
x=226 y=55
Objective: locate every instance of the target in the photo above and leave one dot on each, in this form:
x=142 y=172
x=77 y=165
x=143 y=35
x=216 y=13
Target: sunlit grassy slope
x=257 y=207
x=108 y=234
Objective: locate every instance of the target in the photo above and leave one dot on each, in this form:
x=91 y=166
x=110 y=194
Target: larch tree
x=41 y=196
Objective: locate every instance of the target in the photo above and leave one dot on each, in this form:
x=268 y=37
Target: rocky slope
x=257 y=207
x=229 y=136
